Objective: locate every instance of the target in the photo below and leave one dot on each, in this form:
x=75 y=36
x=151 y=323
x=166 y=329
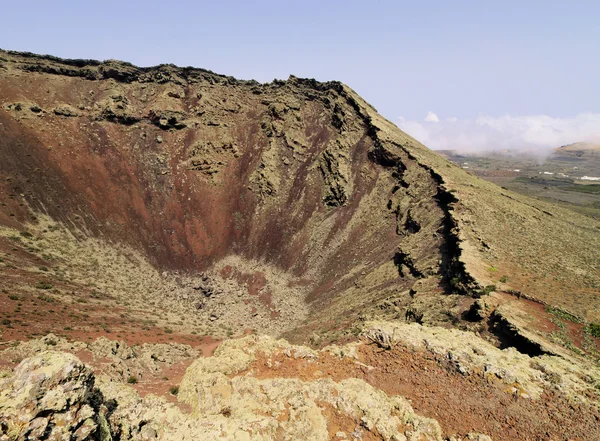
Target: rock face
x=53 y=396
x=186 y=167
x=50 y=396
x=260 y=388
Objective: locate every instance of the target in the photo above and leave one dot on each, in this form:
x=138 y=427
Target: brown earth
x=461 y=404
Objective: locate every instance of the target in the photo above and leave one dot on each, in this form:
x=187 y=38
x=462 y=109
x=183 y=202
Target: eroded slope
x=223 y=189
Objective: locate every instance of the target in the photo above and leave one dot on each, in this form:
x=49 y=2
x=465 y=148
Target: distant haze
x=533 y=134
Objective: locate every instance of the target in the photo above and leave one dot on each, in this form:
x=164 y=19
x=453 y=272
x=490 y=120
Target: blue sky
x=461 y=60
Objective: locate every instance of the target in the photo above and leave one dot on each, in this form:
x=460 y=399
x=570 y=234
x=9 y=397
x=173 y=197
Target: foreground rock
x=50 y=396
x=261 y=388
x=53 y=395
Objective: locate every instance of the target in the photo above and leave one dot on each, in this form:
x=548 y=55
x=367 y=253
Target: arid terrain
x=185 y=255
x=569 y=176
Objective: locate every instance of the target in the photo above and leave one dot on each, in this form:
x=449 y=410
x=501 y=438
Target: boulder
x=49 y=396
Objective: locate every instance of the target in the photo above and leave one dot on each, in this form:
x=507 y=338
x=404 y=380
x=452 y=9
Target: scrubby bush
x=593 y=329
x=559 y=313
x=45 y=298
x=44 y=285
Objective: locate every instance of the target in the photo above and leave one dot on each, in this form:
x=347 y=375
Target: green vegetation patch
x=585 y=188
x=592 y=329
x=486 y=290
x=45 y=298
x=559 y=313
x=44 y=285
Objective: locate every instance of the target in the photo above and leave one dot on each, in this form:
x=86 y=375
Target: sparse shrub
x=489 y=288
x=132 y=379
x=562 y=314
x=592 y=329
x=43 y=268
x=6 y=322
x=382 y=338
x=14 y=297
x=486 y=290
x=44 y=285
x=168 y=330
x=174 y=390
x=45 y=298
x=503 y=279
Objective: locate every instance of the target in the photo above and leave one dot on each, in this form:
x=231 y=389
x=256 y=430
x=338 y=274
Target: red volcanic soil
x=29 y=315
x=461 y=404
x=544 y=321
x=256 y=283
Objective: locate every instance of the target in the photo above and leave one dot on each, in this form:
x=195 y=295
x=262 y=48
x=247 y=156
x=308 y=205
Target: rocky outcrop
x=121 y=360
x=50 y=396
x=260 y=388
x=526 y=376
x=54 y=396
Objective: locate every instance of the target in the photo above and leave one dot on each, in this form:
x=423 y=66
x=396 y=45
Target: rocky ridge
x=262 y=388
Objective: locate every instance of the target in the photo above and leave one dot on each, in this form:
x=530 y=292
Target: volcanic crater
x=274 y=207
x=149 y=215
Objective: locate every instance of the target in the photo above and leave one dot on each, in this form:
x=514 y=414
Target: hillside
x=567 y=177
x=178 y=207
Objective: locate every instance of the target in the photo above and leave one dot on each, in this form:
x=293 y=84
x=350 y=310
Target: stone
x=66 y=110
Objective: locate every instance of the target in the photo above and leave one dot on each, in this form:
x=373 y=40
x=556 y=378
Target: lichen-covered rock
x=289 y=408
x=49 y=396
x=125 y=360
x=52 y=395
x=525 y=375
x=66 y=110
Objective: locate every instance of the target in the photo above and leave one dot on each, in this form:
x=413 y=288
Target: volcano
x=169 y=203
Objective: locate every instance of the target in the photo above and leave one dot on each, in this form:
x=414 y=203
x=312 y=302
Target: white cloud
x=534 y=133
x=432 y=117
